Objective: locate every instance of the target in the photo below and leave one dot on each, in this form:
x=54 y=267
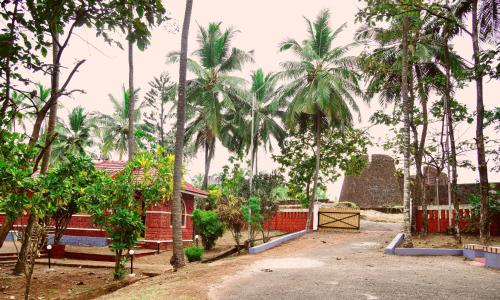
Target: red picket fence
x=439 y=220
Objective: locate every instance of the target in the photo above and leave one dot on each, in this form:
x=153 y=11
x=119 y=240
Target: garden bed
x=447 y=241
x=62 y=283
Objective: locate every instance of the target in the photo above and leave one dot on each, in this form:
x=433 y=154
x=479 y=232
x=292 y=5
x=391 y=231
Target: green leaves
x=208 y=227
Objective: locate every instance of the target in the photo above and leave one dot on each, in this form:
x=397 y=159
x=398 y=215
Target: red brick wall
x=467 y=221
x=288 y=221
x=158 y=226
x=158 y=221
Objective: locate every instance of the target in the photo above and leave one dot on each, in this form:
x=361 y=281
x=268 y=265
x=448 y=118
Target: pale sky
x=262 y=25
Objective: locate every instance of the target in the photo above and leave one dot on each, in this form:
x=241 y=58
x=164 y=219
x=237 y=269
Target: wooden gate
x=338 y=219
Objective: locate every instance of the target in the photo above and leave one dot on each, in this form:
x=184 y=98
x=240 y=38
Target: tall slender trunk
x=28 y=240
x=317 y=125
x=406 y=160
x=131 y=108
x=177 y=259
x=452 y=159
x=208 y=160
x=484 y=229
x=419 y=150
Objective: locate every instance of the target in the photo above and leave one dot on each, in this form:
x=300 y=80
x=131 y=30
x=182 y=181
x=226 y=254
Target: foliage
x=62 y=188
x=194 y=253
x=253 y=217
x=208 y=227
x=114 y=128
x=112 y=200
x=215 y=92
x=18 y=185
x=494 y=203
x=73 y=137
x=341 y=151
x=229 y=211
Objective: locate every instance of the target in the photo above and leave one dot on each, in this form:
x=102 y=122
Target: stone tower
x=377 y=186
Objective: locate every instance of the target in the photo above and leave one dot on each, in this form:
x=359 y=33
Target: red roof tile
x=112 y=167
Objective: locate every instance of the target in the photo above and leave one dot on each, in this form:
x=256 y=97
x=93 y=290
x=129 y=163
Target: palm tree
x=266 y=112
x=115 y=127
x=322 y=85
x=485 y=27
x=214 y=92
x=177 y=259
x=73 y=137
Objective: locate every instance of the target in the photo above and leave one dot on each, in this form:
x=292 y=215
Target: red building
x=157 y=219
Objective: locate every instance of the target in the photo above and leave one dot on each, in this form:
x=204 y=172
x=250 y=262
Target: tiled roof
x=112 y=167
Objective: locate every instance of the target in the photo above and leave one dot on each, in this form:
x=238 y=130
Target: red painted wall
x=157 y=223
x=288 y=221
x=467 y=221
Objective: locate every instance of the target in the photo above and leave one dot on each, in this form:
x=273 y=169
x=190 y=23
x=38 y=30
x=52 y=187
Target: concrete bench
x=492 y=257
x=473 y=251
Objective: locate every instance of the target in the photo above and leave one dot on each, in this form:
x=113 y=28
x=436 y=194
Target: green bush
x=208 y=226
x=194 y=253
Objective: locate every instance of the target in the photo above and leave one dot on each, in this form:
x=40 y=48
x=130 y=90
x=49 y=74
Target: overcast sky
x=262 y=25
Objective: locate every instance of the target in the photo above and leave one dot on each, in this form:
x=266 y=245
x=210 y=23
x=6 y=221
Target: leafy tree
x=215 y=91
x=229 y=211
x=64 y=186
x=117 y=195
x=15 y=174
x=269 y=189
x=161 y=94
x=253 y=217
x=208 y=227
x=322 y=86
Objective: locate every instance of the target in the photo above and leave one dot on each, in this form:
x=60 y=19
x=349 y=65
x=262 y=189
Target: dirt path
x=324 y=266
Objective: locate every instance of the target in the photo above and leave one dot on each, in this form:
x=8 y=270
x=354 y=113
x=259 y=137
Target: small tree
x=229 y=211
x=208 y=226
x=253 y=217
x=113 y=204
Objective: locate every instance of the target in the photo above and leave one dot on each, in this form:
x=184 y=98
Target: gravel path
x=352 y=266
x=325 y=266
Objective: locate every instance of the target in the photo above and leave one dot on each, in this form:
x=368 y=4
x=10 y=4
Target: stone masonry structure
x=376 y=187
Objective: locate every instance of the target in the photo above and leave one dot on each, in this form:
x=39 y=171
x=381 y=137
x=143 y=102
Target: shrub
x=208 y=227
x=194 y=253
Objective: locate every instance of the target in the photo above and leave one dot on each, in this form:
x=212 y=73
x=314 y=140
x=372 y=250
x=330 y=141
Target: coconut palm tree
x=73 y=137
x=115 y=127
x=177 y=259
x=486 y=27
x=214 y=92
x=322 y=85
x=266 y=115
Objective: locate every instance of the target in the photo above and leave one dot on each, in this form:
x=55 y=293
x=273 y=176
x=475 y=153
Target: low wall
x=276 y=242
x=289 y=220
x=439 y=220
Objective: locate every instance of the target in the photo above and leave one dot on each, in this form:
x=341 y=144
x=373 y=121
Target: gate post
x=317 y=205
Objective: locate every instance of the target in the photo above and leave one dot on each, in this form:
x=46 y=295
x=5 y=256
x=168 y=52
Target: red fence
x=289 y=221
x=439 y=221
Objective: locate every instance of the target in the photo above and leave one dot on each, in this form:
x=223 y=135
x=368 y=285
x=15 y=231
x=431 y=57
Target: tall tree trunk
x=317 y=125
x=406 y=160
x=208 y=160
x=419 y=150
x=177 y=259
x=33 y=217
x=484 y=229
x=452 y=159
x=131 y=108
